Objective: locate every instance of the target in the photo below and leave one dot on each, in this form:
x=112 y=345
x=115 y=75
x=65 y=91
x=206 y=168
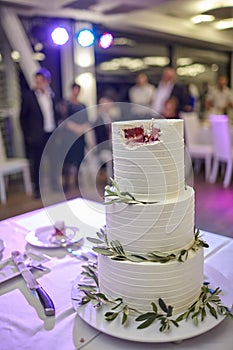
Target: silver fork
x=29 y=263
x=77 y=250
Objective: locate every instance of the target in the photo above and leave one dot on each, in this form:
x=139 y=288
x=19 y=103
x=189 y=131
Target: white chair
x=9 y=166
x=223 y=152
x=197 y=150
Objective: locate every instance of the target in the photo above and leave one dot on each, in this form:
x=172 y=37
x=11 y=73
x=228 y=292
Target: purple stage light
x=106 y=40
x=60 y=36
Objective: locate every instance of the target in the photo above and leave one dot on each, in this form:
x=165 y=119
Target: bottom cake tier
x=140 y=284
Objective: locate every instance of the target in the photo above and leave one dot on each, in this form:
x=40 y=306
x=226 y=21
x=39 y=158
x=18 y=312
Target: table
x=23 y=324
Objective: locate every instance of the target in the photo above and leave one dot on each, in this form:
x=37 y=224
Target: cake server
x=32 y=283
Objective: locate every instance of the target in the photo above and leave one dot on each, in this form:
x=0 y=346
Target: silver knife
x=32 y=283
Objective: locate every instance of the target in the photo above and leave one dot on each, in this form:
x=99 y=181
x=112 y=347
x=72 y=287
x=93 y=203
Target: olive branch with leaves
x=115 y=251
x=208 y=302
x=113 y=194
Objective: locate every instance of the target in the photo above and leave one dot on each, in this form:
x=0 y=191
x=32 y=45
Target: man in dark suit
x=38 y=120
x=168 y=87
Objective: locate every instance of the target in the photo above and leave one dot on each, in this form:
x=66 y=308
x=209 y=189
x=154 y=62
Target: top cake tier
x=148 y=158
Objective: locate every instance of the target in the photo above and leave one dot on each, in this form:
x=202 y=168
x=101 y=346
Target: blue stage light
x=60 y=36
x=105 y=40
x=85 y=38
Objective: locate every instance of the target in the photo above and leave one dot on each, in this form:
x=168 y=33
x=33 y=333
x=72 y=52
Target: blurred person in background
x=108 y=112
x=169 y=87
x=38 y=119
x=219 y=99
x=74 y=119
x=170 y=108
x=190 y=104
x=141 y=94
x=203 y=93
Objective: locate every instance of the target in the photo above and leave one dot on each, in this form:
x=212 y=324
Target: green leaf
x=148 y=322
x=162 y=305
x=154 y=307
x=229 y=314
x=196 y=313
x=89 y=295
x=110 y=202
x=110 y=316
x=197 y=234
x=115 y=307
x=102 y=296
x=109 y=313
x=102 y=230
x=86 y=287
x=127 y=194
x=175 y=323
x=117 y=247
x=119 y=299
x=94 y=240
x=103 y=251
x=85 y=301
x=145 y=316
x=183 y=255
x=169 y=311
x=101 y=236
x=136 y=258
x=203 y=314
x=88 y=269
x=124 y=318
x=217 y=291
x=195 y=321
x=212 y=310
x=119 y=258
x=165 y=326
x=125 y=314
x=181 y=317
x=214 y=299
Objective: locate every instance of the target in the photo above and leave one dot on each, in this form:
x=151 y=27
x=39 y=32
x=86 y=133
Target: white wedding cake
x=157 y=226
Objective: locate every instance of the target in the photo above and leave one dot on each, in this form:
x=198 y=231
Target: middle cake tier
x=165 y=226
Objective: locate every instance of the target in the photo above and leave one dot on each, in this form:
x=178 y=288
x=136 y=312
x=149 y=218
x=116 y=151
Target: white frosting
x=140 y=284
x=164 y=226
x=152 y=172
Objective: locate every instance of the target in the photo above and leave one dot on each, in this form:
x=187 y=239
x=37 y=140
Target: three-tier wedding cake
x=150 y=219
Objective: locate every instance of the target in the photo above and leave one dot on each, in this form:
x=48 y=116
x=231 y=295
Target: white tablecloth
x=23 y=324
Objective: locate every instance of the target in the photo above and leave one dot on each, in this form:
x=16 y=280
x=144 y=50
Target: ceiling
x=166 y=17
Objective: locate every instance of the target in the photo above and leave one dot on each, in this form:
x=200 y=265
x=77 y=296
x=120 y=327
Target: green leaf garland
x=115 y=195
x=208 y=303
x=115 y=251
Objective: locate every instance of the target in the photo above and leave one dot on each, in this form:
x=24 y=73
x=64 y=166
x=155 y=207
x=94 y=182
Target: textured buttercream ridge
x=176 y=229
x=152 y=170
x=164 y=281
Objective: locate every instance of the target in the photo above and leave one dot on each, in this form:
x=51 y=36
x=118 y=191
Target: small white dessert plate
x=95 y=317
x=43 y=237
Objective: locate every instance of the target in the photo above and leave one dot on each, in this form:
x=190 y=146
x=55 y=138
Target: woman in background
x=170 y=108
x=75 y=124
